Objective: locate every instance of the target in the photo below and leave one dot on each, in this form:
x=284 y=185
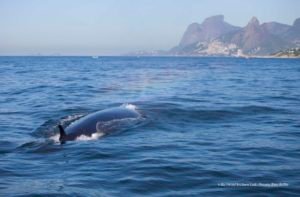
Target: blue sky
x=111 y=27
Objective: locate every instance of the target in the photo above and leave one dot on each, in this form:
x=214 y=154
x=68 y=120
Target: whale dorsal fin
x=62 y=133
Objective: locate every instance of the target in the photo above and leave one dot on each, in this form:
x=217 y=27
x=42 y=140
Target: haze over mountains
x=214 y=36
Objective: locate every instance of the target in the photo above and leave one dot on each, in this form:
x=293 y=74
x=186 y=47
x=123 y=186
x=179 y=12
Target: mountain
x=275 y=28
x=293 y=34
x=255 y=39
x=216 y=37
x=210 y=29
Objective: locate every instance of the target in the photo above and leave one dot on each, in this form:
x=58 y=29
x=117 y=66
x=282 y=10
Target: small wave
x=255 y=109
x=42 y=147
x=228 y=113
x=6 y=146
x=284 y=97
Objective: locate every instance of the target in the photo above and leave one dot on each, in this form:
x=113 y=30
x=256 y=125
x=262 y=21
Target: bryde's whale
x=94 y=122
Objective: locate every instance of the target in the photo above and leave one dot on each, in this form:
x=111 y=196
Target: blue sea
x=211 y=126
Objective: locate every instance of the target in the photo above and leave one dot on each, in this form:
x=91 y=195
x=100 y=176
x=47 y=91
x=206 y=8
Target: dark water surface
x=212 y=126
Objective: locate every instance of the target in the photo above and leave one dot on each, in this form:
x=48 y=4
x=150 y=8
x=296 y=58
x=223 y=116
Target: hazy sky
x=108 y=27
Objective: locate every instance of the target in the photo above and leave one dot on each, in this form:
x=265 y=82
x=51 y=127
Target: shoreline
x=138 y=56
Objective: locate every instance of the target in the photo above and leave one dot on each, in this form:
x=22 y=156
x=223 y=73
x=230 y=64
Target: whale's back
x=89 y=124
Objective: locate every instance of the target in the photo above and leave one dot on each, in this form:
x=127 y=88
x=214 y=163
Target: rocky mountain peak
x=297 y=22
x=293 y=34
x=194 y=27
x=211 y=28
x=253 y=22
x=214 y=19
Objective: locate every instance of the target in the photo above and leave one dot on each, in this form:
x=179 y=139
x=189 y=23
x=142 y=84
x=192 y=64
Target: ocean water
x=211 y=126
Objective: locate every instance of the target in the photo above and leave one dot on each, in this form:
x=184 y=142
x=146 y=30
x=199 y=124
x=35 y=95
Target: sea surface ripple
x=213 y=126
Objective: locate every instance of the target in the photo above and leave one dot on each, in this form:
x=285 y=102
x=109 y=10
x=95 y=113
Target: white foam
x=55 y=138
x=94 y=136
x=129 y=106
